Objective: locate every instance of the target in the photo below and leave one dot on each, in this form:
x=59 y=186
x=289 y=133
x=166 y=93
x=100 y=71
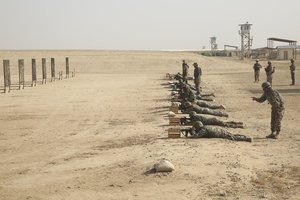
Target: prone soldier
x=187 y=107
x=200 y=131
x=209 y=121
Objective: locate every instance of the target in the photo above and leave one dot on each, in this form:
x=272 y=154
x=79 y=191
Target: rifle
x=185 y=121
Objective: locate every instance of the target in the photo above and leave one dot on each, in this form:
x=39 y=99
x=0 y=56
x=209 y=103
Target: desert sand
x=96 y=135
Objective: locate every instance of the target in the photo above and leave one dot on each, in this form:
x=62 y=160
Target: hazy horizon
x=141 y=25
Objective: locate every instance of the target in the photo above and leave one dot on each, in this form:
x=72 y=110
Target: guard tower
x=246 y=40
x=214 y=46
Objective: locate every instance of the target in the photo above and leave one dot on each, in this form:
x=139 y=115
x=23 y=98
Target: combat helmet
x=198 y=125
x=192 y=114
x=187 y=104
x=265 y=85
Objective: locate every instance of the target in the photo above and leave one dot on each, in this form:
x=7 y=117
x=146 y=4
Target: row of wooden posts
x=7 y=77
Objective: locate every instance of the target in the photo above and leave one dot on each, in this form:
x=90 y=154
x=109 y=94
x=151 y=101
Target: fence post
x=33 y=70
x=21 y=74
x=52 y=69
x=67 y=67
x=6 y=73
x=44 y=71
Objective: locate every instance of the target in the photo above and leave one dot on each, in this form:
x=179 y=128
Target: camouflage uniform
x=205 y=104
x=277 y=103
x=213 y=132
x=185 y=69
x=187 y=107
x=293 y=68
x=213 y=121
x=188 y=95
x=269 y=72
x=256 y=68
x=197 y=77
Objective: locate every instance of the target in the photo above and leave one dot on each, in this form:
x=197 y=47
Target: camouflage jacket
x=292 y=68
x=273 y=97
x=210 y=132
x=269 y=70
x=257 y=66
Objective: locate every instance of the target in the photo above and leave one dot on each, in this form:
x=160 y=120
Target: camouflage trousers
x=256 y=75
x=293 y=77
x=197 y=86
x=276 y=117
x=269 y=79
x=229 y=136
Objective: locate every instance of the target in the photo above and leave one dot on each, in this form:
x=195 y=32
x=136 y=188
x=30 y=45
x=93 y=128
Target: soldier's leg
x=293 y=78
x=278 y=118
x=214 y=112
x=197 y=85
x=238 y=137
x=273 y=124
x=209 y=105
x=234 y=124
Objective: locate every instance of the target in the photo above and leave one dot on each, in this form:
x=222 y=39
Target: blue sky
x=142 y=24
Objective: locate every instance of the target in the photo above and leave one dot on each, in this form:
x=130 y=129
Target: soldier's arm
x=260 y=99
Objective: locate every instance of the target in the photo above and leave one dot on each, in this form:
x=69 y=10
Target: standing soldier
x=276 y=101
x=256 y=68
x=185 y=69
x=293 y=68
x=269 y=72
x=197 y=77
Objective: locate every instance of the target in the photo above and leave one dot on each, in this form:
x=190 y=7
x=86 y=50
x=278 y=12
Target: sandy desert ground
x=95 y=135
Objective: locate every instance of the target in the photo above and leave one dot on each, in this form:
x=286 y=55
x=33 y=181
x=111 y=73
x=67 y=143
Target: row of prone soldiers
x=192 y=101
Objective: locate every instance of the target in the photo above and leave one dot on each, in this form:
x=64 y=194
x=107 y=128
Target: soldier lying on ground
x=200 y=131
x=205 y=104
x=209 y=121
x=187 y=94
x=187 y=107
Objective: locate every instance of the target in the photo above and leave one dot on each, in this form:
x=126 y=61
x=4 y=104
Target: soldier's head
x=257 y=60
x=187 y=104
x=265 y=85
x=292 y=61
x=269 y=63
x=195 y=64
x=192 y=114
x=198 y=125
x=185 y=87
x=183 y=61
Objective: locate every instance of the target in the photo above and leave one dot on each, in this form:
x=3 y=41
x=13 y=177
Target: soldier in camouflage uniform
x=187 y=94
x=185 y=69
x=256 y=68
x=269 y=72
x=197 y=77
x=200 y=131
x=276 y=101
x=293 y=68
x=187 y=107
x=194 y=117
x=206 y=104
